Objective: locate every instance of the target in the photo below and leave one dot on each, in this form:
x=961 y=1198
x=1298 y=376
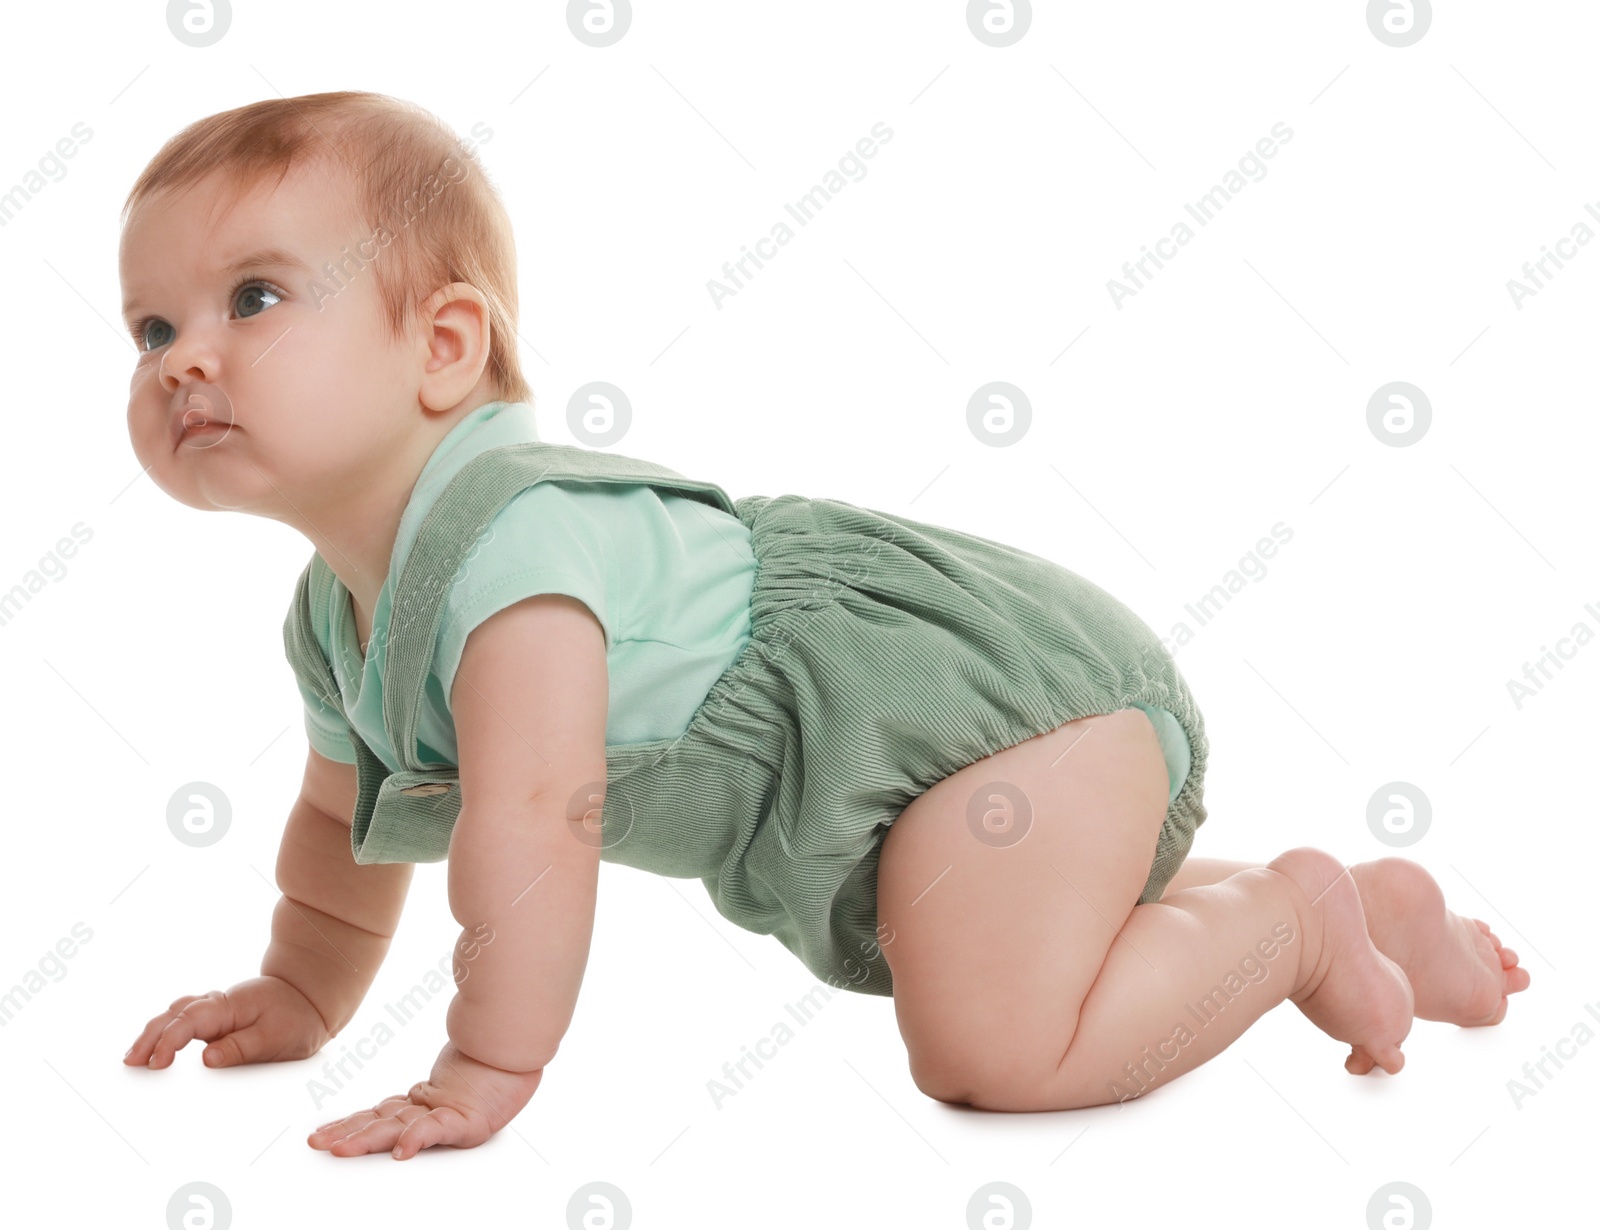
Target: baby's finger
x=247 y=1045
x=329 y=1134
x=206 y=1017
x=443 y=1125
x=378 y=1136
x=336 y=1130
x=139 y=1053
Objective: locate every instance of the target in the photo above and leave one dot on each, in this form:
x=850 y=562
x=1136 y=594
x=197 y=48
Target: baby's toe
x=1362 y=1061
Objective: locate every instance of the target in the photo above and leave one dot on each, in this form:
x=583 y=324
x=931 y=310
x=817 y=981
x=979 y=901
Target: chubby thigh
x=1004 y=886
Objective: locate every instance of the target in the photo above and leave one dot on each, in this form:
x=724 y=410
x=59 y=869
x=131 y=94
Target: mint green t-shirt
x=668 y=578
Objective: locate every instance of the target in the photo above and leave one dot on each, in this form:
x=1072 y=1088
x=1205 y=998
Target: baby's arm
x=332 y=926
x=330 y=931
x=529 y=704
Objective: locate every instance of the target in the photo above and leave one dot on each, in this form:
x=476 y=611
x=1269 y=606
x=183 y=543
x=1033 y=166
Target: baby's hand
x=463 y=1103
x=257 y=1021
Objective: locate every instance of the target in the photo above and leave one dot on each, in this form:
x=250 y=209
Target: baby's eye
x=144 y=331
x=247 y=300
x=251 y=291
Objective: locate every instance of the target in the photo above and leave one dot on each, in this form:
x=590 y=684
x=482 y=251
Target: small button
x=426 y=789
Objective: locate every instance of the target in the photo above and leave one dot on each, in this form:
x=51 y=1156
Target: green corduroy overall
x=885 y=654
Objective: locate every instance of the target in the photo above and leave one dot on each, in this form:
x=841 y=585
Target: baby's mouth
x=199 y=414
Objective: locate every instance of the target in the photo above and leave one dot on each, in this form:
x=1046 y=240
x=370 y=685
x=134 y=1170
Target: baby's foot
x=1348 y=989
x=1458 y=969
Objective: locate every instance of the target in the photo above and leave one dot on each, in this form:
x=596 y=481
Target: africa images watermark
x=802 y=211
x=1538 y=672
x=1251 y=568
x=50 y=164
x=451 y=172
x=1143 y=1073
x=49 y=568
x=444 y=978
x=51 y=966
x=736 y=1075
x=1202 y=211
x=1581 y=1034
x=1566 y=249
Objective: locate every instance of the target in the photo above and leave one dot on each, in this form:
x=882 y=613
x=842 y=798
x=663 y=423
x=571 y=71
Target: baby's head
x=332 y=279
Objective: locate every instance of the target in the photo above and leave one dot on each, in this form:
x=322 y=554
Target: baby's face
x=240 y=321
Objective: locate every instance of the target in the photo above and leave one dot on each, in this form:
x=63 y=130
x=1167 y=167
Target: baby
x=933 y=766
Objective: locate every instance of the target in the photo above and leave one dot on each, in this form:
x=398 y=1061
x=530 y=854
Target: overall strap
x=455 y=522
x=408 y=815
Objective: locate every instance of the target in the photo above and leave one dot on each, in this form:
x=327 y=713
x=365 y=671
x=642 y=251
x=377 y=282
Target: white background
x=1230 y=394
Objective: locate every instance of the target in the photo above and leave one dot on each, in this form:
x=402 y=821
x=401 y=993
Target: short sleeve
x=325 y=725
x=546 y=540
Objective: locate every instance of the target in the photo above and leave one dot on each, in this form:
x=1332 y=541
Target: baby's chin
x=217 y=484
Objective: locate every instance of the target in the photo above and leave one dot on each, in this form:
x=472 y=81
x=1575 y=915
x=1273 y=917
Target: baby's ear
x=453 y=344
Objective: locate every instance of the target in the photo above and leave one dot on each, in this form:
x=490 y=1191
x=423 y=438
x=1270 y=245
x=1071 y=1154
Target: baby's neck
x=356 y=533
x=360 y=551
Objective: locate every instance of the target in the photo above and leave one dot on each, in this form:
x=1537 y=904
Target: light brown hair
x=413 y=177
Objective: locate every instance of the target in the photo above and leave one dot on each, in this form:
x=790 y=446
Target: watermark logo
x=1399 y=414
x=1399 y=23
x=1399 y=813
x=999 y=1206
x=204 y=406
x=999 y=413
x=1399 y=1206
x=198 y=813
x=999 y=23
x=199 y=1206
x=999 y=814
x=199 y=23
x=599 y=23
x=599 y=413
x=586 y=816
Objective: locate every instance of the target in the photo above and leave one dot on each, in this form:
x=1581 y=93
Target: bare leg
x=1026 y=977
x=1458 y=969
x=1197 y=871
x=1220 y=960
